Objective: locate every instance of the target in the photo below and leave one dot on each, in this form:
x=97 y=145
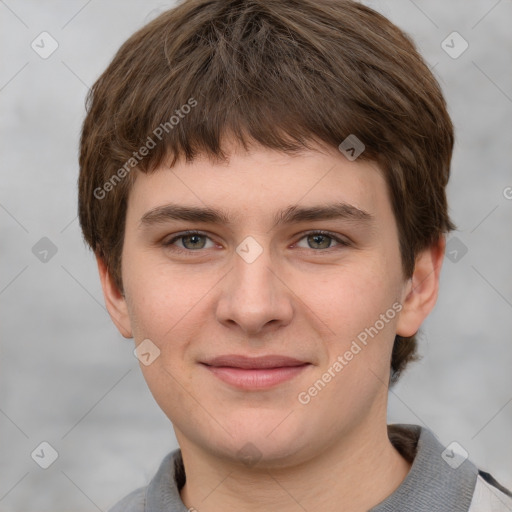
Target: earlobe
x=420 y=293
x=114 y=300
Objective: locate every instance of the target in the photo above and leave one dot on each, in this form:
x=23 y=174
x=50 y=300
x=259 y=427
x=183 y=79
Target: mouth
x=255 y=373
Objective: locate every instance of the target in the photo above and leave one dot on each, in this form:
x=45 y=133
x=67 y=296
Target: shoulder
x=440 y=478
x=133 y=502
x=162 y=492
x=490 y=496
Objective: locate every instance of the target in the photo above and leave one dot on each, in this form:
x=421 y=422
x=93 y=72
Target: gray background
x=67 y=377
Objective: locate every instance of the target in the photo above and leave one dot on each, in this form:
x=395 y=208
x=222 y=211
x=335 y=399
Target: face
x=272 y=323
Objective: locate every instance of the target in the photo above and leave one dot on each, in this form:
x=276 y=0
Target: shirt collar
x=431 y=485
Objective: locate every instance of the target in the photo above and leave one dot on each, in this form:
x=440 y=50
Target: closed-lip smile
x=254 y=373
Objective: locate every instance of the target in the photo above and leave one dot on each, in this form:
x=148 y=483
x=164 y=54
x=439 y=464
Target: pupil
x=193 y=240
x=318 y=239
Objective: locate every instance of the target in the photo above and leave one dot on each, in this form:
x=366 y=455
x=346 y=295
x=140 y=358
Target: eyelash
x=169 y=243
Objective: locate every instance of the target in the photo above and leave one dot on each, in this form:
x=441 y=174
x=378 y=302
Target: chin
x=264 y=441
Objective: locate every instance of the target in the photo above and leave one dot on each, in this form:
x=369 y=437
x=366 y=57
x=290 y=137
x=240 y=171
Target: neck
x=354 y=475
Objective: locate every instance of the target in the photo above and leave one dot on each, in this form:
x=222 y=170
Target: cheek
x=352 y=298
x=361 y=308
x=161 y=300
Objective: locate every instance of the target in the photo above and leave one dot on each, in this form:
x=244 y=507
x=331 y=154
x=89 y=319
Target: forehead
x=262 y=183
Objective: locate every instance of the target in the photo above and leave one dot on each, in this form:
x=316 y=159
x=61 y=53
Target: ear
x=420 y=293
x=114 y=300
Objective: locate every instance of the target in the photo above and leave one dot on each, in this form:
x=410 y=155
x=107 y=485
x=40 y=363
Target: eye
x=322 y=240
x=190 y=241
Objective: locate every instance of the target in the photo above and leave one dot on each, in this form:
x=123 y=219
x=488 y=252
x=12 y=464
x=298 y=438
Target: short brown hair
x=287 y=74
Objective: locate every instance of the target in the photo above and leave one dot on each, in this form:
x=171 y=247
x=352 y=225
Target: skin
x=304 y=296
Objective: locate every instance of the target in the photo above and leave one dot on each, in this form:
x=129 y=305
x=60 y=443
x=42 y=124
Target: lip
x=254 y=373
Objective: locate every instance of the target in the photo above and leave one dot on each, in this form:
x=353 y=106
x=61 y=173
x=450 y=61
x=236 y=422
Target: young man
x=263 y=185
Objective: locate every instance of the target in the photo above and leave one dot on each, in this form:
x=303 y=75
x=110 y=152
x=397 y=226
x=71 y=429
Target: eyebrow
x=290 y=215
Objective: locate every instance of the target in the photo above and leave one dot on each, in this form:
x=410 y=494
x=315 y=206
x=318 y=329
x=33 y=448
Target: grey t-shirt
x=438 y=481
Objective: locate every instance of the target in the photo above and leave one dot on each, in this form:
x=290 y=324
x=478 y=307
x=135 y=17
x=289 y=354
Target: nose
x=254 y=295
